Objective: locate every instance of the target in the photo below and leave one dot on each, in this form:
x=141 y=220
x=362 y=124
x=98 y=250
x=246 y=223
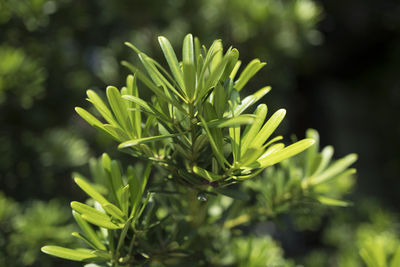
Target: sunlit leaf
x=70 y=254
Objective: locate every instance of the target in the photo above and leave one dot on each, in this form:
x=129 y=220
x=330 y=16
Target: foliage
x=193 y=130
x=198 y=106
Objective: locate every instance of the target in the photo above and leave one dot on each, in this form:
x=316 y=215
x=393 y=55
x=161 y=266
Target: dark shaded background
x=333 y=65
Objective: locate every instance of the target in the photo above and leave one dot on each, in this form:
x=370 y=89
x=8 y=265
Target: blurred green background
x=333 y=65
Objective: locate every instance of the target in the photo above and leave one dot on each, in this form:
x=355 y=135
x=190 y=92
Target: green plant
x=193 y=130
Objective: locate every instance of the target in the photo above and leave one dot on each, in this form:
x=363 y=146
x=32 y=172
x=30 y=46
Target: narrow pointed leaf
x=89 y=189
x=101 y=107
x=114 y=211
x=250 y=100
x=69 y=254
x=285 y=153
x=171 y=60
x=251 y=69
x=84 y=239
x=119 y=107
x=188 y=64
x=331 y=201
x=136 y=119
x=311 y=154
x=88 y=231
x=268 y=128
x=93 y=216
x=326 y=156
x=89 y=118
x=253 y=129
x=334 y=169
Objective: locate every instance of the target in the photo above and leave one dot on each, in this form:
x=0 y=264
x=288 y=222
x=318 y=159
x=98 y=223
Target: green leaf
x=157 y=77
x=94 y=216
x=145 y=140
x=251 y=69
x=125 y=196
x=188 y=64
x=119 y=108
x=114 y=211
x=253 y=129
x=332 y=202
x=70 y=254
x=156 y=90
x=217 y=152
x=171 y=60
x=89 y=118
x=206 y=174
x=284 y=153
x=311 y=154
x=88 y=231
x=231 y=122
x=334 y=169
x=116 y=179
x=250 y=100
x=136 y=119
x=139 y=102
x=84 y=239
x=101 y=107
x=116 y=132
x=326 y=156
x=89 y=189
x=268 y=128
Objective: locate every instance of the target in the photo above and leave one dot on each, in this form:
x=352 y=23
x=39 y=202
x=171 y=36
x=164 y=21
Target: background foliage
x=333 y=66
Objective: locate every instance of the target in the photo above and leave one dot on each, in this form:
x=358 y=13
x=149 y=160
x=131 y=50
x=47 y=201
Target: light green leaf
x=125 y=196
x=171 y=60
x=334 y=169
x=250 y=100
x=156 y=90
x=70 y=254
x=332 y=202
x=157 y=77
x=311 y=154
x=89 y=118
x=188 y=64
x=251 y=69
x=268 y=128
x=84 y=239
x=252 y=130
x=326 y=156
x=89 y=189
x=101 y=107
x=284 y=153
x=116 y=132
x=136 y=119
x=139 y=102
x=145 y=140
x=119 y=108
x=116 y=179
x=88 y=231
x=114 y=211
x=94 y=216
